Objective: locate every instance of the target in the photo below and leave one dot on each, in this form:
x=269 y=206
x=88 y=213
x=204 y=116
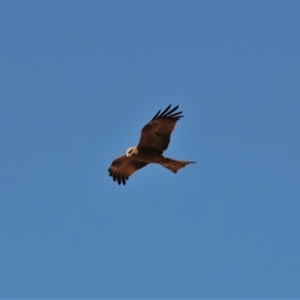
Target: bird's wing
x=122 y=167
x=157 y=133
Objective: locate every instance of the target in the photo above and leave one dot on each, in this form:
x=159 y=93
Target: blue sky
x=79 y=79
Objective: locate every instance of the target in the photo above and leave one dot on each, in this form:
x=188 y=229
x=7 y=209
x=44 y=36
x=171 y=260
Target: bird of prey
x=155 y=138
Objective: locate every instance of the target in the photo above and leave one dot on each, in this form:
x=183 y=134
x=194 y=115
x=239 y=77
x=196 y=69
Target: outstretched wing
x=157 y=133
x=122 y=167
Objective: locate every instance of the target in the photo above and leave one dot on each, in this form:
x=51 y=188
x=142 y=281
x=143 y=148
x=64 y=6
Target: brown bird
x=155 y=139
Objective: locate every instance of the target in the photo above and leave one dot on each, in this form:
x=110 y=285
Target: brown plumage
x=155 y=139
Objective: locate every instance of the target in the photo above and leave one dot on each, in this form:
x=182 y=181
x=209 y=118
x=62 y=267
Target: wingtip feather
x=168 y=113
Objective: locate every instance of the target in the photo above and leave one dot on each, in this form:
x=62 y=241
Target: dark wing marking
x=122 y=167
x=157 y=133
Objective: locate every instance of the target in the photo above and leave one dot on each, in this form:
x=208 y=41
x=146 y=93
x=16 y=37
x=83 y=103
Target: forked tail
x=173 y=164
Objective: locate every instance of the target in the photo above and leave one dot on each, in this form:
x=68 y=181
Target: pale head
x=132 y=151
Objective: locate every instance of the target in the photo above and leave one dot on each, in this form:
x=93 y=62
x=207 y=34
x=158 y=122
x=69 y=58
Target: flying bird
x=155 y=139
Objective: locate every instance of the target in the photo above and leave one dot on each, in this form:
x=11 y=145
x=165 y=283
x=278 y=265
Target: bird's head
x=131 y=151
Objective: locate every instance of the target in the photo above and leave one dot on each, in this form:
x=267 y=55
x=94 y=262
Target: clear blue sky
x=79 y=79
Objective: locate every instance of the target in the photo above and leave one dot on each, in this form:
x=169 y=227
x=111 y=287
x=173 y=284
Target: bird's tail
x=173 y=164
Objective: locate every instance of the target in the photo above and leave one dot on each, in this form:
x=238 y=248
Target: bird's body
x=145 y=154
x=155 y=139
